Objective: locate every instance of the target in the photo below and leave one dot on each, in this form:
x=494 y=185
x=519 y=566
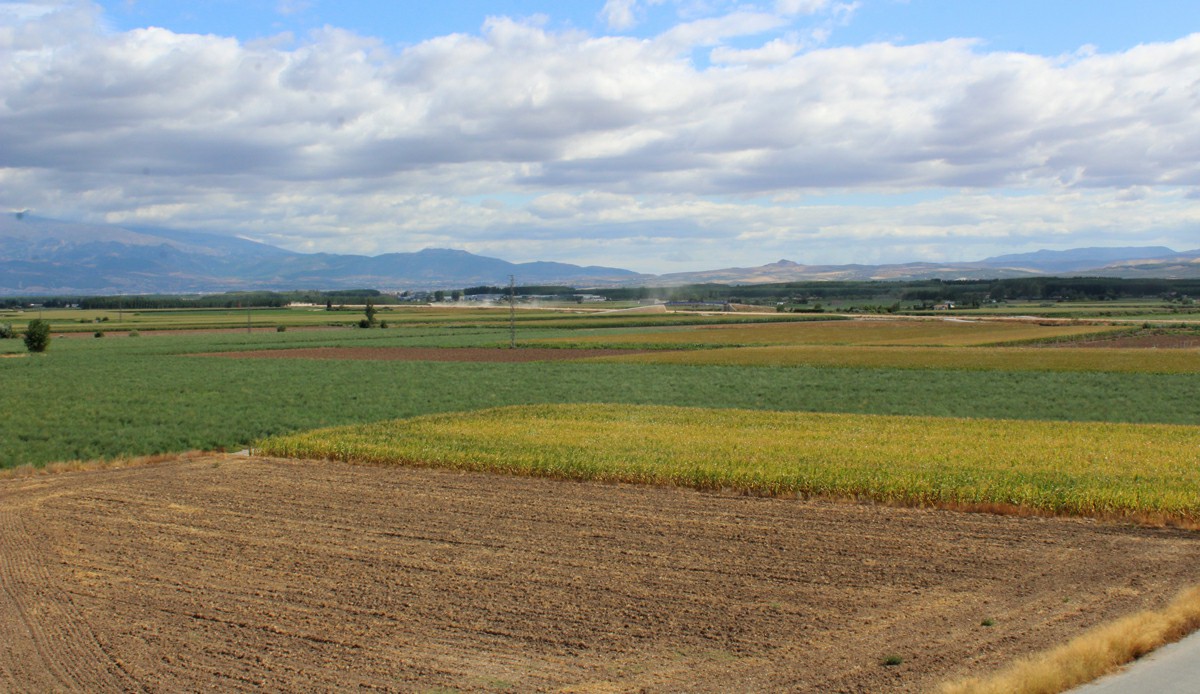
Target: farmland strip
x=1138 y=471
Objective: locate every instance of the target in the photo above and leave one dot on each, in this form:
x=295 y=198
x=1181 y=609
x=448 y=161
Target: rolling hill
x=40 y=256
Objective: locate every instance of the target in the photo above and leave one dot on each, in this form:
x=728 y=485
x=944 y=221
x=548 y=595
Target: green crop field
x=125 y=396
x=1142 y=471
x=78 y=320
x=112 y=320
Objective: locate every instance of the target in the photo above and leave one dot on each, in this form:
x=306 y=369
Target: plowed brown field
x=472 y=354
x=243 y=573
x=1137 y=342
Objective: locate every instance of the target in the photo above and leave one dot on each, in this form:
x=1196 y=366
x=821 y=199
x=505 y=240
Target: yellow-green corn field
x=980 y=358
x=1141 y=471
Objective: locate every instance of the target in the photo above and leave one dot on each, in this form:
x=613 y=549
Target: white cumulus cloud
x=339 y=141
x=619 y=14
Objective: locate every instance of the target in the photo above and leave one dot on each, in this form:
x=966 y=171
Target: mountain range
x=40 y=256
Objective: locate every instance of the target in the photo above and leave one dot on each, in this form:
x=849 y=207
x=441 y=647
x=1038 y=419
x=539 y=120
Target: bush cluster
x=37 y=336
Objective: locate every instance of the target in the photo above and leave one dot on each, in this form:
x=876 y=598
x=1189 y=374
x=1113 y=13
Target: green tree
x=37 y=335
x=370 y=313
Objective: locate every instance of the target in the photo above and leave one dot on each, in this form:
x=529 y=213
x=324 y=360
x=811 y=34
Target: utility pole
x=512 y=313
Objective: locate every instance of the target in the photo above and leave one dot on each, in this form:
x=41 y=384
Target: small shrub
x=7 y=332
x=281 y=328
x=98 y=333
x=893 y=660
x=364 y=323
x=988 y=622
x=37 y=335
x=382 y=324
x=134 y=333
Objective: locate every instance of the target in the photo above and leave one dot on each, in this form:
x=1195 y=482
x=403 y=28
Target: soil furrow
x=248 y=573
x=47 y=647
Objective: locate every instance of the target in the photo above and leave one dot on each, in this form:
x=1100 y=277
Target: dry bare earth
x=239 y=573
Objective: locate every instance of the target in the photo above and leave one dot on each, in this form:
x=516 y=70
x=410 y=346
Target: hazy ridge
x=47 y=256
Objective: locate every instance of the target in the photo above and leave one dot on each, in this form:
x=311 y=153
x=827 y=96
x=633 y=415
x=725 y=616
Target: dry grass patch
x=24 y=471
x=1092 y=655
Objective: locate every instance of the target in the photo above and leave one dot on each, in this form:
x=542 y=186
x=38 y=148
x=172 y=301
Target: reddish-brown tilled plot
x=242 y=573
x=469 y=354
x=1138 y=341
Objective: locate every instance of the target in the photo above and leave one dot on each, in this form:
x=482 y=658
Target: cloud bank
x=727 y=139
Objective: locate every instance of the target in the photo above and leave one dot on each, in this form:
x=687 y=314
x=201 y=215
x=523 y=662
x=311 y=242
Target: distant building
x=700 y=305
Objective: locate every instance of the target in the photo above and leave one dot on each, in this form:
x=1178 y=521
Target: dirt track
x=241 y=573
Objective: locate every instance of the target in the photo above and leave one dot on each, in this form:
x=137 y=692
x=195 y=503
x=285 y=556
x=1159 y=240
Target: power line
x=512 y=313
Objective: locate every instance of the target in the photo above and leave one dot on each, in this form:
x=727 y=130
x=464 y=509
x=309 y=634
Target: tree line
x=883 y=291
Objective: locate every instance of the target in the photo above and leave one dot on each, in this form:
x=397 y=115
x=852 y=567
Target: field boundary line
x=27 y=470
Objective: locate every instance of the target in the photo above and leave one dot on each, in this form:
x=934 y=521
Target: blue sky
x=1046 y=27
x=658 y=135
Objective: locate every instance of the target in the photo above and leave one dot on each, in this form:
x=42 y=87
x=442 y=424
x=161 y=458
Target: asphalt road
x=1172 y=669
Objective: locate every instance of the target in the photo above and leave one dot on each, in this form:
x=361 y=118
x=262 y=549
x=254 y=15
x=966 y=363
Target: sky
x=653 y=135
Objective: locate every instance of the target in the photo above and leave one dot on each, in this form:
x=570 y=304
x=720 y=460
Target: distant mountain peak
x=47 y=256
x=1078 y=258
x=44 y=256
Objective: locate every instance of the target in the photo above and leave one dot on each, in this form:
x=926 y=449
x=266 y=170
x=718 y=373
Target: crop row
x=1139 y=471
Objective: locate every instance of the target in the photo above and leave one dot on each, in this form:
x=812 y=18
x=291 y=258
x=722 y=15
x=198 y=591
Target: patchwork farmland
x=653 y=502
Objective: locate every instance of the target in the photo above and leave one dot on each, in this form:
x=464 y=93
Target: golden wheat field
x=1143 y=471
